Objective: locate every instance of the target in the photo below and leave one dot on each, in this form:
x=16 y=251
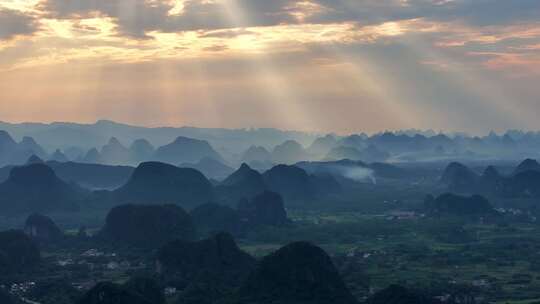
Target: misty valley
x=113 y=213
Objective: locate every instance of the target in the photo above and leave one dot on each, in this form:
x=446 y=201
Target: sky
x=343 y=66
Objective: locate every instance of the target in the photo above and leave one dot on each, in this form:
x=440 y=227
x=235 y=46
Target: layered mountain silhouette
x=115 y=153
x=211 y=168
x=213 y=218
x=323 y=145
x=459 y=178
x=299 y=273
x=343 y=152
x=36 y=188
x=92 y=157
x=216 y=260
x=13 y=153
x=18 y=253
x=141 y=150
x=159 y=183
x=29 y=145
x=42 y=229
x=186 y=150
x=523 y=183
x=243 y=183
x=34 y=159
x=256 y=154
x=265 y=209
x=527 y=165
x=358 y=152
x=92 y=176
x=289 y=152
x=58 y=156
x=290 y=181
x=147 y=226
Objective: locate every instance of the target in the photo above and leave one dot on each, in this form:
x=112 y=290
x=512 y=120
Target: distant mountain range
x=64 y=135
x=108 y=142
x=524 y=182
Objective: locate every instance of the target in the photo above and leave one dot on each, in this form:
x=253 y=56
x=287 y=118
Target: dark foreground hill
x=42 y=228
x=299 y=273
x=36 y=188
x=211 y=168
x=290 y=181
x=147 y=226
x=527 y=165
x=213 y=218
x=265 y=209
x=243 y=183
x=92 y=176
x=459 y=178
x=216 y=260
x=159 y=183
x=18 y=253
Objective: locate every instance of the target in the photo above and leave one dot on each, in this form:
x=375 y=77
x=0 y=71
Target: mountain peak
x=29 y=140
x=5 y=138
x=34 y=159
x=297 y=273
x=59 y=156
x=114 y=141
x=39 y=174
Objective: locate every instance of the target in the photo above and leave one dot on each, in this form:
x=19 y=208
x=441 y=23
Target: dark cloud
x=14 y=23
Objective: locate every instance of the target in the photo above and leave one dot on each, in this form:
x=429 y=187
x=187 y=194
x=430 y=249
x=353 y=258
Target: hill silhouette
x=147 y=226
x=36 y=188
x=211 y=168
x=459 y=178
x=115 y=153
x=42 y=228
x=186 y=150
x=256 y=154
x=290 y=181
x=58 y=156
x=243 y=183
x=527 y=165
x=213 y=218
x=92 y=176
x=265 y=209
x=140 y=151
x=299 y=273
x=289 y=152
x=186 y=263
x=18 y=253
x=159 y=183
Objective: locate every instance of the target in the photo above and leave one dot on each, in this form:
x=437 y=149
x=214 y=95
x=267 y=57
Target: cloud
x=14 y=23
x=136 y=17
